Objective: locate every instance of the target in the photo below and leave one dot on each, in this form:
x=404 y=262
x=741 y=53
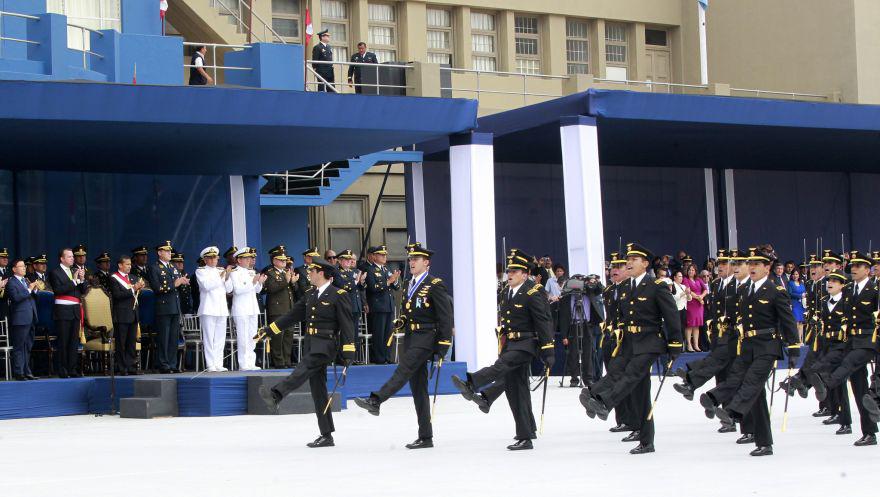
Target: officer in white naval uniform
x=212 y=308
x=244 y=284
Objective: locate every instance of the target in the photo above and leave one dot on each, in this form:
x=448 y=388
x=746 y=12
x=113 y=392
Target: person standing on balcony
x=322 y=52
x=354 y=72
x=197 y=74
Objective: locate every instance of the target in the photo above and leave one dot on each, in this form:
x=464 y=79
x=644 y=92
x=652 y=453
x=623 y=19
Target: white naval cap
x=210 y=252
x=244 y=252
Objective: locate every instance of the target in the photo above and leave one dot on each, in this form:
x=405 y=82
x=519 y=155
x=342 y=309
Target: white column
x=237 y=206
x=710 y=212
x=583 y=195
x=472 y=179
x=730 y=207
x=418 y=201
x=704 y=54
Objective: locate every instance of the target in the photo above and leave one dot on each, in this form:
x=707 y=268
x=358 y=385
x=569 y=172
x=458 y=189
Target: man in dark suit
x=779 y=278
x=354 y=72
x=580 y=312
x=124 y=290
x=184 y=291
x=380 y=282
x=164 y=280
x=323 y=52
x=68 y=285
x=22 y=319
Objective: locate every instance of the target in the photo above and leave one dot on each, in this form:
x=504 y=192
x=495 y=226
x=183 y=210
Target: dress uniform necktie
x=751 y=288
x=855 y=290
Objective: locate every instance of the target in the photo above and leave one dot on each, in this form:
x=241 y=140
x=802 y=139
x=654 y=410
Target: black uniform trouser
x=167 y=334
x=623 y=411
x=854 y=366
x=126 y=345
x=512 y=369
x=826 y=360
x=380 y=328
x=68 y=345
x=280 y=345
x=629 y=380
x=411 y=368
x=312 y=368
x=838 y=403
x=713 y=365
x=22 y=340
x=742 y=393
x=580 y=356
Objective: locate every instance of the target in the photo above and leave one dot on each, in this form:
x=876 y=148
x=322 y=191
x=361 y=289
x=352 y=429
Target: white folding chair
x=192 y=337
x=364 y=333
x=232 y=343
x=5 y=348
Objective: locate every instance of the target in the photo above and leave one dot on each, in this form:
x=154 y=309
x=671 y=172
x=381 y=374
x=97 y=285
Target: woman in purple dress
x=698 y=290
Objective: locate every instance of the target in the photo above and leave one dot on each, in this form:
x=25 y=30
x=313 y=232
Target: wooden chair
x=98 y=327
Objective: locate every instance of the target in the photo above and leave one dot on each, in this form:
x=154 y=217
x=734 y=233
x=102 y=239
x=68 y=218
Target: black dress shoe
x=642 y=449
x=76 y=375
x=723 y=415
x=270 y=398
x=632 y=437
x=682 y=373
x=164 y=371
x=19 y=377
x=465 y=387
x=322 y=441
x=598 y=407
x=620 y=428
x=574 y=382
x=482 y=402
x=521 y=445
x=31 y=377
x=727 y=428
x=869 y=439
x=844 y=430
x=63 y=375
x=135 y=372
x=747 y=438
x=421 y=443
x=798 y=385
x=762 y=451
x=871 y=406
x=821 y=413
x=584 y=399
x=708 y=405
x=819 y=385
x=833 y=420
x=685 y=389
x=370 y=404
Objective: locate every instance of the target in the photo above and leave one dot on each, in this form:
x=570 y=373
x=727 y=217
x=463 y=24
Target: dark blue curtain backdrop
x=112 y=212
x=783 y=208
x=663 y=208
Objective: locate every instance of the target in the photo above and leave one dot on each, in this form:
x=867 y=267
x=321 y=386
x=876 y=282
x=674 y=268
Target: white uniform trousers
x=214 y=339
x=245 y=329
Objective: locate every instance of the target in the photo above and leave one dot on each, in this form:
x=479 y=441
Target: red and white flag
x=309 y=29
x=163 y=6
x=134 y=75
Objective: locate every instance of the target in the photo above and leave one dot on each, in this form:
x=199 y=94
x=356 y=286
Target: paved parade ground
x=247 y=456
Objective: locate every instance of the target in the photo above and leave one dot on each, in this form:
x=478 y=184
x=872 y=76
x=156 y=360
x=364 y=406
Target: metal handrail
x=787 y=93
x=86 y=52
x=9 y=38
x=250 y=29
x=213 y=47
x=649 y=83
x=342 y=64
x=288 y=176
x=324 y=81
x=525 y=77
x=16 y=14
x=502 y=73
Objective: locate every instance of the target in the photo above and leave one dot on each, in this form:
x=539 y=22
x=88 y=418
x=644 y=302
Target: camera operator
x=581 y=309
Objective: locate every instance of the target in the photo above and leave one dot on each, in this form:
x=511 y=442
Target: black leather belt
x=422 y=326
x=519 y=335
x=641 y=329
x=320 y=332
x=762 y=331
x=861 y=331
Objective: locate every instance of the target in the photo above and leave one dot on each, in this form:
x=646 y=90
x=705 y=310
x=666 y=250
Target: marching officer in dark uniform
x=351 y=282
x=862 y=346
x=354 y=72
x=766 y=326
x=280 y=290
x=611 y=331
x=380 y=304
x=327 y=312
x=526 y=332
x=644 y=304
x=165 y=280
x=139 y=264
x=184 y=291
x=426 y=315
x=101 y=275
x=324 y=53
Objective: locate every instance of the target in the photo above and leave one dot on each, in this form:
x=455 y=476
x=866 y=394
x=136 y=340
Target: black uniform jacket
x=525 y=319
x=328 y=319
x=766 y=320
x=861 y=325
x=643 y=310
x=427 y=315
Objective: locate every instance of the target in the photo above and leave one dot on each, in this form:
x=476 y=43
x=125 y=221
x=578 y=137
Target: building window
x=577 y=46
x=615 y=51
x=286 y=19
x=439 y=36
x=483 y=38
x=344 y=219
x=334 y=17
x=655 y=37
x=92 y=14
x=528 y=53
x=394 y=228
x=383 y=31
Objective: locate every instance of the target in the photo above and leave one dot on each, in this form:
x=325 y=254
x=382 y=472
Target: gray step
x=152 y=398
x=297 y=402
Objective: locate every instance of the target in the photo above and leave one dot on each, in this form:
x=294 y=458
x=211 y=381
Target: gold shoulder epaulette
x=780 y=288
x=435 y=281
x=340 y=291
x=658 y=280
x=533 y=290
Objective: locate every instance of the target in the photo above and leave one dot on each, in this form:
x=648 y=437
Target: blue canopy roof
x=650 y=129
x=103 y=127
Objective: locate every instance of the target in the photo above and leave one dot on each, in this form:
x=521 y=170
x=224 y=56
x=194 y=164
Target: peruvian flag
x=309 y=29
x=163 y=6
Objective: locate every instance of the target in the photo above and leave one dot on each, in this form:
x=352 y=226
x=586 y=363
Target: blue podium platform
x=211 y=394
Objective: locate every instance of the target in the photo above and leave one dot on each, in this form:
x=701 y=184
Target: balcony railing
x=340 y=71
x=525 y=87
x=212 y=63
x=12 y=39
